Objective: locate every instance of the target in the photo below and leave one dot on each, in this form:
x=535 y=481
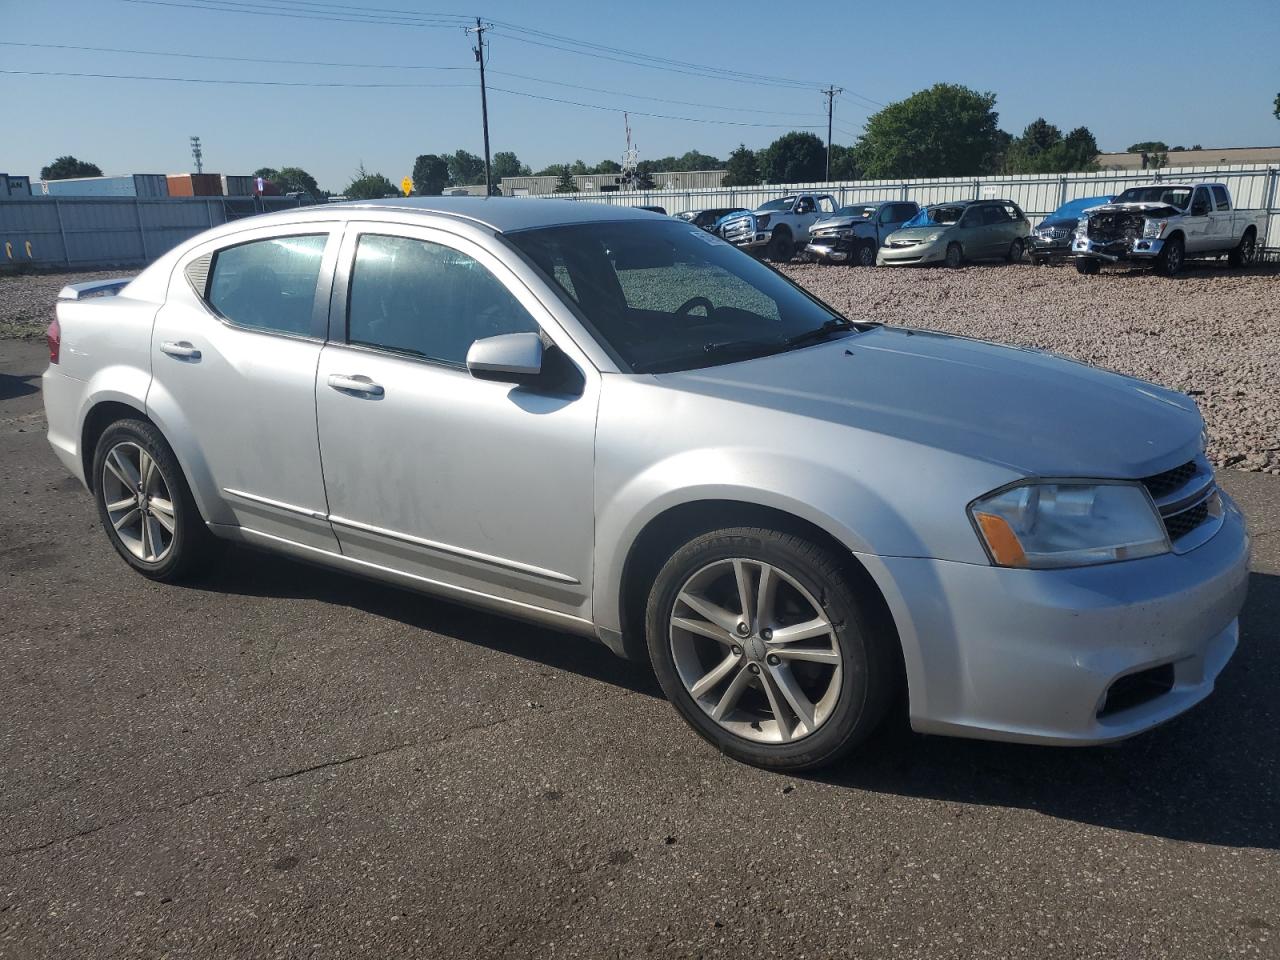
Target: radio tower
x=630 y=158
x=197 y=154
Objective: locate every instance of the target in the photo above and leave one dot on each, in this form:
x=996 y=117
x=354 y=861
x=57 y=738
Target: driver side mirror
x=506 y=358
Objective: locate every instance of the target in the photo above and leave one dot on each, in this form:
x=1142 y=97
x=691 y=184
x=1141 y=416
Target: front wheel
x=764 y=647
x=1015 y=251
x=867 y=254
x=1172 y=257
x=955 y=256
x=145 y=505
x=1087 y=265
x=780 y=249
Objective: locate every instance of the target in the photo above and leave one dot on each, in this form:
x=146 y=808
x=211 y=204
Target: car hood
x=1031 y=411
x=841 y=222
x=919 y=233
x=1152 y=209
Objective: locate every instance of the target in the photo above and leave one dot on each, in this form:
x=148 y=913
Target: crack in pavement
x=288 y=775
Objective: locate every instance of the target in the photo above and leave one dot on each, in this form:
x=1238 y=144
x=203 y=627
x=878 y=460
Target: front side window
x=268 y=284
x=665 y=296
x=1221 y=199
x=426 y=300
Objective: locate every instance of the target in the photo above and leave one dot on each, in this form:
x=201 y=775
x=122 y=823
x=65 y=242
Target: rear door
x=485 y=487
x=234 y=353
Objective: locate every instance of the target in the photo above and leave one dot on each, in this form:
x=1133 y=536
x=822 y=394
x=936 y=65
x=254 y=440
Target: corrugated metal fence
x=91 y=232
x=1252 y=186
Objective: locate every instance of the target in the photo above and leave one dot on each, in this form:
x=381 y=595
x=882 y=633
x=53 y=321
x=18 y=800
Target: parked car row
x=1158 y=225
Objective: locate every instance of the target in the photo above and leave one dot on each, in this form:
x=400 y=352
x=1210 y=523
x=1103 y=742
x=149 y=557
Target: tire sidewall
x=857 y=710
x=959 y=256
x=866 y=254
x=178 y=559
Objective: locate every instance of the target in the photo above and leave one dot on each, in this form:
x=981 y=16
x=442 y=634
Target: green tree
x=742 y=169
x=607 y=166
x=296 y=180
x=578 y=168
x=696 y=160
x=267 y=173
x=370 y=186
x=844 y=163
x=1149 y=146
x=465 y=169
x=64 y=168
x=795 y=157
x=945 y=131
x=552 y=170
x=566 y=183
x=507 y=164
x=1043 y=149
x=430 y=175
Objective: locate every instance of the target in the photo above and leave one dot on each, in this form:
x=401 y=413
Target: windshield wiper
x=834 y=325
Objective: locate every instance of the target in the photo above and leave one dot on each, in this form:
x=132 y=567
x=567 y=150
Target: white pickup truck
x=780 y=228
x=1165 y=223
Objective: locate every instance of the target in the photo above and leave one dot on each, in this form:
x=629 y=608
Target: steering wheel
x=696 y=302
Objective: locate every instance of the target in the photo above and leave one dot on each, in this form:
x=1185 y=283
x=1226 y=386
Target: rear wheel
x=955 y=256
x=1245 y=250
x=1172 y=257
x=145 y=505
x=867 y=254
x=1015 y=251
x=764 y=647
x=1087 y=265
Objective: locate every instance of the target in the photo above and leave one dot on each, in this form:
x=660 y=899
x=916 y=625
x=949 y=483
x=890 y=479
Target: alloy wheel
x=755 y=650
x=138 y=502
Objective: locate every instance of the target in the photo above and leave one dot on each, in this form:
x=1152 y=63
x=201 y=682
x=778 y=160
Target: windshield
x=667 y=296
x=783 y=204
x=933 y=215
x=1174 y=196
x=1072 y=209
x=857 y=213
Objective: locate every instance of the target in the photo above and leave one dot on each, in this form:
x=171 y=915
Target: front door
x=234 y=353
x=1197 y=222
x=481 y=486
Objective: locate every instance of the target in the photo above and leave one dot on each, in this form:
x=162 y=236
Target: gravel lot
x=1213 y=333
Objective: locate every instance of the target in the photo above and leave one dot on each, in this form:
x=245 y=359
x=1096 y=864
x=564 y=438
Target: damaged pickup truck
x=1163 y=224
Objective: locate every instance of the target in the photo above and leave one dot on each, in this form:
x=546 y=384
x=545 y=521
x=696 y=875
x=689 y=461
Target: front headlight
x=1044 y=525
x=1082 y=227
x=844 y=232
x=932 y=237
x=762 y=221
x=1153 y=228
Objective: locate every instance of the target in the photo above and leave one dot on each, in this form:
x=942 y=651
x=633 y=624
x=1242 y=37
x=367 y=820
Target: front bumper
x=1030 y=655
x=927 y=252
x=828 y=251
x=1051 y=247
x=1115 y=250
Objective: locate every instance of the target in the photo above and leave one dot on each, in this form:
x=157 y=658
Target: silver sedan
x=617 y=424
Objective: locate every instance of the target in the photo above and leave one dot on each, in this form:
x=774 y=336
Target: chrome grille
x=1188 y=500
x=1163 y=484
x=742 y=228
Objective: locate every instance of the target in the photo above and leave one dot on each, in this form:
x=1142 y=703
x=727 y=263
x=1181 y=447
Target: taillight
x=53 y=337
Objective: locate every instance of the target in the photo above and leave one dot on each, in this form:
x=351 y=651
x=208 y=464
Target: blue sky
x=1184 y=72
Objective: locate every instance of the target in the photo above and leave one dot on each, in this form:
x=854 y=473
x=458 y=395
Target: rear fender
x=166 y=413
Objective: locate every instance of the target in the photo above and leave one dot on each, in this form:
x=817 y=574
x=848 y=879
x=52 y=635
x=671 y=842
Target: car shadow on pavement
x=1211 y=776
x=252 y=573
x=19 y=385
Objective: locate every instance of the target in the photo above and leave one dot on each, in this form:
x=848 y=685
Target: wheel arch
x=664 y=533
x=101 y=415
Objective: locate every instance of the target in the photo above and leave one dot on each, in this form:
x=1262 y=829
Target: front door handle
x=180 y=348
x=355 y=384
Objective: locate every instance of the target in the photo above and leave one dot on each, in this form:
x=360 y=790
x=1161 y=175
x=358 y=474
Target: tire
x=955 y=256
x=1039 y=261
x=1087 y=265
x=140 y=452
x=866 y=254
x=847 y=695
x=1245 y=250
x=780 y=249
x=1172 y=257
x=1015 y=251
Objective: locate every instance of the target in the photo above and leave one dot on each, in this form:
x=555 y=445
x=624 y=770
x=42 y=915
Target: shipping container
x=195 y=185
x=145 y=185
x=234 y=186
x=12 y=185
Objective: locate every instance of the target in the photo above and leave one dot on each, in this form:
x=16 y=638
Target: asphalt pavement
x=280 y=761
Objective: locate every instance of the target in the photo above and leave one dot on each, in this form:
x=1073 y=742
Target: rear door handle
x=180 y=348
x=355 y=384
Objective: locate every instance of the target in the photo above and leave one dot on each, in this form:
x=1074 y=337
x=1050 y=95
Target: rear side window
x=268 y=284
x=427 y=300
x=1221 y=199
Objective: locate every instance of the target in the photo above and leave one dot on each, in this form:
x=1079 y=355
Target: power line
x=209 y=56
x=266 y=11
x=250 y=83
x=658 y=116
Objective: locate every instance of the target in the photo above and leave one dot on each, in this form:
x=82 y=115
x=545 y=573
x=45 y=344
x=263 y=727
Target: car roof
x=503 y=214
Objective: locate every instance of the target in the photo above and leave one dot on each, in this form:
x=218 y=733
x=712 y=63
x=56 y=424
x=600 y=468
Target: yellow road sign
x=407 y=185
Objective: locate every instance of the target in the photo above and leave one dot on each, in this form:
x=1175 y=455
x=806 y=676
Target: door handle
x=355 y=384
x=180 y=348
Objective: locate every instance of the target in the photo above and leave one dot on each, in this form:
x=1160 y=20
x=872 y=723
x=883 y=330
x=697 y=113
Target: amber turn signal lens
x=1003 y=542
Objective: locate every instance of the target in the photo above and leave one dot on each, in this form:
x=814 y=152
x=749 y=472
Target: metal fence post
x=62 y=231
x=1062 y=192
x=142 y=232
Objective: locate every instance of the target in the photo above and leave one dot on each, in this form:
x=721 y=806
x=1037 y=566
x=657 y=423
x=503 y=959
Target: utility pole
x=197 y=154
x=830 y=94
x=478 y=50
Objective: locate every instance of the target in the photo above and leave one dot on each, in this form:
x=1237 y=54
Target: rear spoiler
x=94 y=288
